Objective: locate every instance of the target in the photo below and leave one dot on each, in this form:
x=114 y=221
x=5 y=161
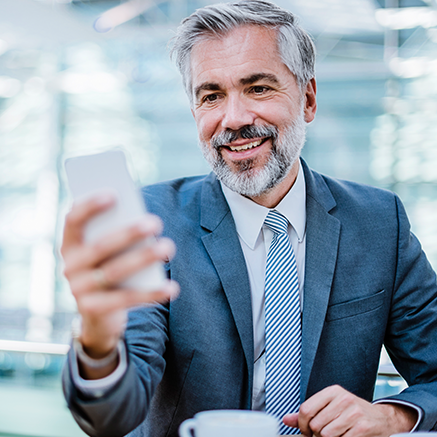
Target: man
x=358 y=276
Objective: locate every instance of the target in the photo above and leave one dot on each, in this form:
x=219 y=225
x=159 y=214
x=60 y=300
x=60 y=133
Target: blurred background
x=82 y=76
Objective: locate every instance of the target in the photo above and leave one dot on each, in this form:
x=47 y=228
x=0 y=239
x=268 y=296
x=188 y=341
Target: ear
x=310 y=101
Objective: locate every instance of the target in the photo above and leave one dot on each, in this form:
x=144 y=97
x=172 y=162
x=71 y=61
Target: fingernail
x=164 y=248
x=145 y=227
x=150 y=225
x=173 y=290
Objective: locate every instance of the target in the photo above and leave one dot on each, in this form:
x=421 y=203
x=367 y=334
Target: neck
x=274 y=196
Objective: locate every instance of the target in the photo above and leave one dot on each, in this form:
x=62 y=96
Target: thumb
x=291 y=420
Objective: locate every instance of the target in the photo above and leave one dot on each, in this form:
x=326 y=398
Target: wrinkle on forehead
x=236 y=48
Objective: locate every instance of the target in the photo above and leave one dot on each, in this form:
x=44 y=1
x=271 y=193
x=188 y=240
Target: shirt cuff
x=407 y=404
x=97 y=388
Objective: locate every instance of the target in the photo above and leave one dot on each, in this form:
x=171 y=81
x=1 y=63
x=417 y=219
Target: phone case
x=108 y=172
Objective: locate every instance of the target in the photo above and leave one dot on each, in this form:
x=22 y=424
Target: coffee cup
x=230 y=423
x=416 y=434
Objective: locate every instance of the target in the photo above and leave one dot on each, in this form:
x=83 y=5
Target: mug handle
x=187 y=426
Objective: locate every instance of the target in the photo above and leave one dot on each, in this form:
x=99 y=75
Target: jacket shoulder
x=167 y=197
x=350 y=195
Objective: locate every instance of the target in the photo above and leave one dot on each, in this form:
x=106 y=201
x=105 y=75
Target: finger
x=336 y=425
x=291 y=420
x=313 y=406
x=81 y=212
x=87 y=256
x=340 y=414
x=114 y=271
x=101 y=303
x=118 y=269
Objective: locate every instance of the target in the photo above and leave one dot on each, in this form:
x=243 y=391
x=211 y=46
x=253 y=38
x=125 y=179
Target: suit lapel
x=223 y=246
x=322 y=237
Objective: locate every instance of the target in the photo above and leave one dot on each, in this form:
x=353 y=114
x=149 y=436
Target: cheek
x=206 y=126
x=275 y=116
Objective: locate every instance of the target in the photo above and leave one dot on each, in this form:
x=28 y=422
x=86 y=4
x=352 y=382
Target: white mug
x=416 y=434
x=230 y=423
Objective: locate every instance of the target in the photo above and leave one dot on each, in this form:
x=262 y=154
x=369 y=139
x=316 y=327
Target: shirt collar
x=249 y=216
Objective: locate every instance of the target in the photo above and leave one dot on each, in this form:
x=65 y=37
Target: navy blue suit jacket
x=367 y=283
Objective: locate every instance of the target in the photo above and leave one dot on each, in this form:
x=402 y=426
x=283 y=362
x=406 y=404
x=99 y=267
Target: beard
x=246 y=179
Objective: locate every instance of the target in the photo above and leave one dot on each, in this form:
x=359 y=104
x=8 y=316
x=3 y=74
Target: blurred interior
x=81 y=76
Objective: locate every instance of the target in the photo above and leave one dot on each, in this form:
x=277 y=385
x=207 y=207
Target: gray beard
x=247 y=180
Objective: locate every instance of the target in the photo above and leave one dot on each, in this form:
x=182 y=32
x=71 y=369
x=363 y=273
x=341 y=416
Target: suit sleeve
x=125 y=407
x=411 y=334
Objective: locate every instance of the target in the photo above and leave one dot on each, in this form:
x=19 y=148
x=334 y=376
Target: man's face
x=249 y=110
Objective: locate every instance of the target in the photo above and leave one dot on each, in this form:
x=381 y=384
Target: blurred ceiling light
x=3 y=46
x=54 y=1
x=13 y=116
x=9 y=87
x=80 y=83
x=34 y=86
x=406 y=18
x=432 y=34
x=413 y=67
x=122 y=13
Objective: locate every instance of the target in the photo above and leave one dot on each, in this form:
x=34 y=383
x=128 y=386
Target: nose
x=237 y=113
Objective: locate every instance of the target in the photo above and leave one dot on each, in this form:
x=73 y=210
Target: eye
x=260 y=89
x=210 y=98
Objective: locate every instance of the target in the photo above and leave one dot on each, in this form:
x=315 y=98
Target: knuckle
x=76 y=284
x=356 y=414
x=70 y=219
x=304 y=410
x=336 y=388
x=67 y=272
x=75 y=290
x=325 y=433
x=362 y=428
x=63 y=251
x=315 y=426
x=347 y=398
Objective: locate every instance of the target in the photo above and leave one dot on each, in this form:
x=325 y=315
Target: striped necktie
x=283 y=324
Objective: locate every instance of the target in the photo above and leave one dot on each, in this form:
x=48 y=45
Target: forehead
x=243 y=51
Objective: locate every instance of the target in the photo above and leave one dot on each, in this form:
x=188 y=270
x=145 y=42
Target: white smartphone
x=108 y=172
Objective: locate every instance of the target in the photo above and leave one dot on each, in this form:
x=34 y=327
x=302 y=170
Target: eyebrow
x=259 y=76
x=208 y=86
x=213 y=86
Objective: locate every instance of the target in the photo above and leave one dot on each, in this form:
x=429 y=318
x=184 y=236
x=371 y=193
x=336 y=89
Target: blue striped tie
x=283 y=324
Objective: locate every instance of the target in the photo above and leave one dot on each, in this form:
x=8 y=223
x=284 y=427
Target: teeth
x=246 y=146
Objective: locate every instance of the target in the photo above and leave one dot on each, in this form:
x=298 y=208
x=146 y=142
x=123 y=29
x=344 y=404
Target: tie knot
x=276 y=222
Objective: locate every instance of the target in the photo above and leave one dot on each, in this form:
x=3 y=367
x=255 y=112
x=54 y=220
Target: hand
x=335 y=412
x=95 y=270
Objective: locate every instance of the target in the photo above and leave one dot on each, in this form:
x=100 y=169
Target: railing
x=27 y=346
x=386 y=369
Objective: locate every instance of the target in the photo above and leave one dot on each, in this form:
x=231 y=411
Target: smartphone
x=107 y=172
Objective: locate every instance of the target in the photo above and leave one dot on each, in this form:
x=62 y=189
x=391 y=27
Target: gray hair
x=295 y=46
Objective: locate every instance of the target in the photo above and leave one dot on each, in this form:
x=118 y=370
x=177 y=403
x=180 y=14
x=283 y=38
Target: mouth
x=246 y=146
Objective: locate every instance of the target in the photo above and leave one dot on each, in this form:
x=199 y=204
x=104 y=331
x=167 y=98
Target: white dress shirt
x=255 y=239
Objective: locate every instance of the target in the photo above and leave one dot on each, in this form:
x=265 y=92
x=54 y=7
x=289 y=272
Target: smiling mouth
x=247 y=146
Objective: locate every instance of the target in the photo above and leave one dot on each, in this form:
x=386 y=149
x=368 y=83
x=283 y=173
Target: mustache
x=246 y=132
